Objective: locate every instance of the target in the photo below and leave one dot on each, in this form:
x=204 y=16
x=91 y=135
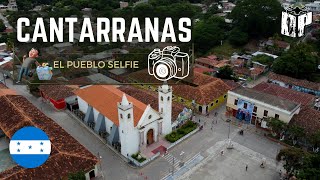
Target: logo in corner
x=168 y=63
x=294 y=20
x=30 y=147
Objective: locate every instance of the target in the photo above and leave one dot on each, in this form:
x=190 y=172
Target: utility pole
x=229 y=120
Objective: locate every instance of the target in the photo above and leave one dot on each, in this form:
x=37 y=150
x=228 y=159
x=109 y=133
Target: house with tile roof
x=67 y=154
x=300 y=85
x=212 y=62
x=289 y=94
x=254 y=105
x=126 y=119
x=202 y=93
x=60 y=96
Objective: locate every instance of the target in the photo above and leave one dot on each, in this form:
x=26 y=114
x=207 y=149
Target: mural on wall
x=184 y=115
x=245 y=110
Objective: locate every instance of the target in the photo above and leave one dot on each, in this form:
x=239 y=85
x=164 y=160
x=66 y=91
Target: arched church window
x=168 y=98
x=161 y=98
x=129 y=116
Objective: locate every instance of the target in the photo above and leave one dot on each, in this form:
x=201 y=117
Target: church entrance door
x=150 y=137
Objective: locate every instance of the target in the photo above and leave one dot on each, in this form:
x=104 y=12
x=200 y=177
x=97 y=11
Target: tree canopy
x=300 y=163
x=276 y=125
x=237 y=37
x=299 y=62
x=226 y=72
x=208 y=33
x=2 y=26
x=257 y=17
x=263 y=59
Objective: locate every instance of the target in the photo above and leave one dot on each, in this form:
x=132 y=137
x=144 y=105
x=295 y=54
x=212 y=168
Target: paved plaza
x=198 y=150
x=232 y=165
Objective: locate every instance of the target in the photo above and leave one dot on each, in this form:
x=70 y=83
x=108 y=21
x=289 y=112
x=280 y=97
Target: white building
x=126 y=120
x=314 y=7
x=12 y=6
x=254 y=106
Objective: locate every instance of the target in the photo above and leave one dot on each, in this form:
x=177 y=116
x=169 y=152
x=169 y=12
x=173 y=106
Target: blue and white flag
x=30 y=147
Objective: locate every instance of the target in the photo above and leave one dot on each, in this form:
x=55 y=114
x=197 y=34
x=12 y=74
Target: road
x=114 y=167
x=5 y=21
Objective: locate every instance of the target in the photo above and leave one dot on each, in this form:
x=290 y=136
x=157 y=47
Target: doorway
x=92 y=174
x=150 y=139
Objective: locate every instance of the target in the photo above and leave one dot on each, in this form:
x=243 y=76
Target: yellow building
x=204 y=94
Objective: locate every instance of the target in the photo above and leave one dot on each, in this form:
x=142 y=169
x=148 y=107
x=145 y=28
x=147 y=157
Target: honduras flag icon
x=30 y=147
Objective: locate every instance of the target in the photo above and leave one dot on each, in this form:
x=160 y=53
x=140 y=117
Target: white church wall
x=129 y=138
x=109 y=124
x=83 y=106
x=95 y=115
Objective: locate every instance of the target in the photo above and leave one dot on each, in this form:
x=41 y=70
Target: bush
x=136 y=157
x=186 y=128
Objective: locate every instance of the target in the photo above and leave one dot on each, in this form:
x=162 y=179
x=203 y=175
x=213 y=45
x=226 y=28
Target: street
x=201 y=143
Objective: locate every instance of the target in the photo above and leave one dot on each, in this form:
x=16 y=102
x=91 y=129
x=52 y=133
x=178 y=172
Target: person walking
x=221 y=153
x=246 y=167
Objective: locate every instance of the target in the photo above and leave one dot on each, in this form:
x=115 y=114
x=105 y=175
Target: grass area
x=226 y=50
x=138 y=157
x=181 y=131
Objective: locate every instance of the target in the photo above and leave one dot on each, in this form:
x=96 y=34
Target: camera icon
x=168 y=63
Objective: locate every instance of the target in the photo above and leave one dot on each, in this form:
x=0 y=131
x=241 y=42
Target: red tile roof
x=241 y=71
x=231 y=83
x=212 y=61
x=308 y=119
x=7 y=66
x=105 y=98
x=58 y=92
x=281 y=44
x=202 y=69
x=206 y=90
x=67 y=154
x=2 y=86
x=292 y=95
x=256 y=71
x=293 y=81
x=150 y=97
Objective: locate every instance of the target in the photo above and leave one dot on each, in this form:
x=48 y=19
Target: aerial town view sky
x=159 y=89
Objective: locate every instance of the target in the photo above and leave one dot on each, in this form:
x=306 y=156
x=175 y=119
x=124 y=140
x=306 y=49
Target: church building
x=126 y=120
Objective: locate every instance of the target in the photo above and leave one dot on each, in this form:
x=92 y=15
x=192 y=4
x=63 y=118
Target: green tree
x=263 y=59
x=300 y=163
x=2 y=26
x=293 y=158
x=77 y=176
x=238 y=37
x=226 y=72
x=314 y=139
x=208 y=33
x=213 y=9
x=296 y=132
x=299 y=62
x=311 y=167
x=276 y=125
x=257 y=17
